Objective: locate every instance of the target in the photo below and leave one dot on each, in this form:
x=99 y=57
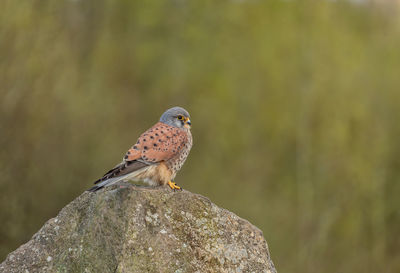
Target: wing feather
x=160 y=143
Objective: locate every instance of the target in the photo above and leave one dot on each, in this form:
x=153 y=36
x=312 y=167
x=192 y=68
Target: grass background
x=295 y=108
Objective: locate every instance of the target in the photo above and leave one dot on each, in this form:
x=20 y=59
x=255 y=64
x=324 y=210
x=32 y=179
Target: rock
x=138 y=229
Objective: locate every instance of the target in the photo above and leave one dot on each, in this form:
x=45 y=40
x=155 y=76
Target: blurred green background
x=295 y=108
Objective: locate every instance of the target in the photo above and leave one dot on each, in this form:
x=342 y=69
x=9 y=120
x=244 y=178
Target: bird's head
x=177 y=117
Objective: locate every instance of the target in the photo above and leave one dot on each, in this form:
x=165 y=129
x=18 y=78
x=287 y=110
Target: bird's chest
x=176 y=163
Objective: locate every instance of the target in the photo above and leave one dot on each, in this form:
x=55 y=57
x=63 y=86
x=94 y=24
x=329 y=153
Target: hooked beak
x=188 y=123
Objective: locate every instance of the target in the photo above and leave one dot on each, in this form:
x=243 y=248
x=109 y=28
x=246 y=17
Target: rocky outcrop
x=137 y=229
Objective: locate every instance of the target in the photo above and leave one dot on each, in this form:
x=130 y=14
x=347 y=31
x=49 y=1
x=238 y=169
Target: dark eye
x=180 y=117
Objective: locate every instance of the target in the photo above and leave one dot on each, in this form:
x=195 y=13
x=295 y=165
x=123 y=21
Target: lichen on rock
x=139 y=229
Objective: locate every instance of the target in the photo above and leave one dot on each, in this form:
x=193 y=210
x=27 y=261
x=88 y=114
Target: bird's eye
x=180 y=117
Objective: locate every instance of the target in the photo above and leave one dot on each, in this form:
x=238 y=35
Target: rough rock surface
x=138 y=229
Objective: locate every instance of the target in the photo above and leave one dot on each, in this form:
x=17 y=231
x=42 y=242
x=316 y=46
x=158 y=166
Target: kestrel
x=158 y=154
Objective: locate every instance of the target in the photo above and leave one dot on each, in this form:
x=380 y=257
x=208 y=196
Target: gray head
x=177 y=117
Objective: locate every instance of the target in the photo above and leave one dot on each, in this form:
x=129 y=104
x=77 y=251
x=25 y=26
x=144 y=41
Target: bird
x=158 y=154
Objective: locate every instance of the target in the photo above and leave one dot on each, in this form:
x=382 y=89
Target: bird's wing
x=159 y=143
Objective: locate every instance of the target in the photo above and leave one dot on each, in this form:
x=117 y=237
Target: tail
x=105 y=183
x=118 y=173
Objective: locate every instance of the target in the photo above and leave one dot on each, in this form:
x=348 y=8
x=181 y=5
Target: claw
x=173 y=186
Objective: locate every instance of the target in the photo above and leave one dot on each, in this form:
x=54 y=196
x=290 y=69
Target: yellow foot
x=173 y=186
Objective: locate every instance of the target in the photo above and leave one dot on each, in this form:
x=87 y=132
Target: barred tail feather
x=123 y=171
x=106 y=183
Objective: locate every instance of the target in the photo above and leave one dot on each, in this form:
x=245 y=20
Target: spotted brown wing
x=160 y=143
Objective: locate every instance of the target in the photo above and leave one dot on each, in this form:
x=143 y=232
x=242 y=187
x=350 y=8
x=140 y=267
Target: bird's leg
x=173 y=185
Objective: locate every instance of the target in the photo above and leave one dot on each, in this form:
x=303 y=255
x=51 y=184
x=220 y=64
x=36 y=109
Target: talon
x=173 y=186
